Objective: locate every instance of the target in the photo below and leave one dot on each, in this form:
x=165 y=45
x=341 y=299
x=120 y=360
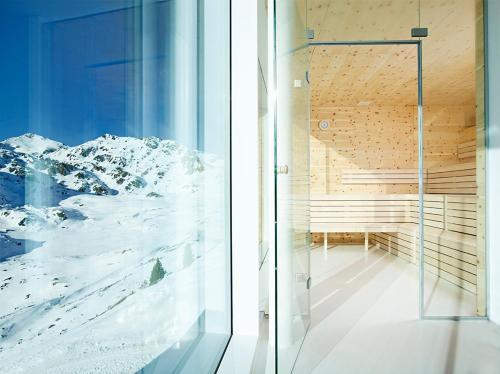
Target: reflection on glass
x=292 y=182
x=114 y=252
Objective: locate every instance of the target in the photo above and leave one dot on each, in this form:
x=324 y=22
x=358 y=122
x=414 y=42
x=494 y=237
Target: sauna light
x=324 y=124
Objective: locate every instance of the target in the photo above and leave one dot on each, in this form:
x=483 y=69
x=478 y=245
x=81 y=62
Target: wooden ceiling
x=387 y=75
x=364 y=75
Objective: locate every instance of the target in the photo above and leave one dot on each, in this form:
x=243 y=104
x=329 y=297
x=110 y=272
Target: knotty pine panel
x=381 y=137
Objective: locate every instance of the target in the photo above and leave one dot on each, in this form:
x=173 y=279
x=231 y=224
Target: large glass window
x=114 y=186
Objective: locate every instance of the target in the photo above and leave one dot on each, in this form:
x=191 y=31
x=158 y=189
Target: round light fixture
x=324 y=124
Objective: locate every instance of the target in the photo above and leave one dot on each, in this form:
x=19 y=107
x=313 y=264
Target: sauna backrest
x=466 y=150
x=358 y=213
x=452 y=179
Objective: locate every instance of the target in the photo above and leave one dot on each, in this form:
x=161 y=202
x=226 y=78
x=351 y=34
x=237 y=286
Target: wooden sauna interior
x=364 y=167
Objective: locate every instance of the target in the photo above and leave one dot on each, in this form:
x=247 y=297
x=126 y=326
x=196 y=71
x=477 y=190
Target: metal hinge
x=419 y=32
x=309 y=33
x=301 y=277
x=283 y=169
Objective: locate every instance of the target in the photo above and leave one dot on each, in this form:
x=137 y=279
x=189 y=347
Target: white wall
x=245 y=163
x=493 y=168
x=245 y=188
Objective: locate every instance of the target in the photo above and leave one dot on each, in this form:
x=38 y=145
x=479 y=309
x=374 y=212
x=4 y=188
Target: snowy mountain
x=39 y=173
x=32 y=144
x=82 y=232
x=104 y=166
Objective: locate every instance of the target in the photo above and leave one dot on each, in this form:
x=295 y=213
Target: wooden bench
x=449 y=238
x=391 y=221
x=359 y=213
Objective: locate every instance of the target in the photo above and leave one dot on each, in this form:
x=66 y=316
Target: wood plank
x=461 y=214
x=463 y=190
x=379 y=175
x=453 y=185
x=457 y=173
x=462 y=229
x=469 y=154
x=354 y=227
x=464 y=166
x=466 y=178
x=461 y=206
x=345 y=214
x=471 y=143
x=461 y=199
x=380 y=171
x=395 y=219
x=347 y=204
x=462 y=256
x=364 y=197
x=374 y=208
x=379 y=181
x=462 y=221
x=472 y=148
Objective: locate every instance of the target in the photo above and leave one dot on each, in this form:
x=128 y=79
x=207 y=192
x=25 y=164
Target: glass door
x=292 y=251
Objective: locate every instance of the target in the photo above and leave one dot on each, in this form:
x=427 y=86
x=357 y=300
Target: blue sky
x=83 y=83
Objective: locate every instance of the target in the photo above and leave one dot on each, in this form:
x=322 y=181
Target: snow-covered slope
x=32 y=144
x=81 y=229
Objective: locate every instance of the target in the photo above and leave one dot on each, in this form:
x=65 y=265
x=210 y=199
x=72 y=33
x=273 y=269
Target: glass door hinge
x=283 y=169
x=309 y=34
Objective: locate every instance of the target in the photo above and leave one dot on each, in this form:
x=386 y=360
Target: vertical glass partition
x=114 y=186
x=453 y=163
x=454 y=160
x=292 y=182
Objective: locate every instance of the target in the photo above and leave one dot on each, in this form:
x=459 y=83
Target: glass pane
x=292 y=182
x=114 y=209
x=364 y=191
x=453 y=160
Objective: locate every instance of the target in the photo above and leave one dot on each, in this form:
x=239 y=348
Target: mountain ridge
x=106 y=165
x=37 y=174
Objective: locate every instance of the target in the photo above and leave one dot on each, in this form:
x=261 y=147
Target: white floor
x=365 y=320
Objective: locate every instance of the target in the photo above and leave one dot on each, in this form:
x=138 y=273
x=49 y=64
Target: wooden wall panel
x=468 y=133
x=381 y=137
x=443 y=131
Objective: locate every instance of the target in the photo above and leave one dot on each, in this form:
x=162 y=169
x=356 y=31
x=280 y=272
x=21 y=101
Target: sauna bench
x=359 y=228
x=391 y=221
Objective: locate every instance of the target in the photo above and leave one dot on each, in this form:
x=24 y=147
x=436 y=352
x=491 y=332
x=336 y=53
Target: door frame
x=420 y=121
